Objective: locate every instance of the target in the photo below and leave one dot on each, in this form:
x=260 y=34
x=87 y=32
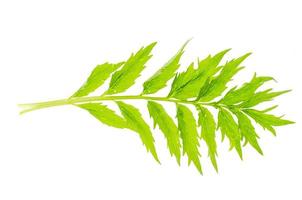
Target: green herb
x=198 y=89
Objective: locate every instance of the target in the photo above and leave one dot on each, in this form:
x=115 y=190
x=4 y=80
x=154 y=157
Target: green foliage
x=97 y=77
x=138 y=124
x=260 y=97
x=245 y=92
x=218 y=84
x=247 y=131
x=167 y=126
x=188 y=84
x=192 y=91
x=229 y=128
x=208 y=126
x=189 y=135
x=267 y=121
x=165 y=73
x=124 y=78
x=105 y=115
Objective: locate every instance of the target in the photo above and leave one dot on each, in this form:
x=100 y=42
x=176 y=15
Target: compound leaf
x=199 y=85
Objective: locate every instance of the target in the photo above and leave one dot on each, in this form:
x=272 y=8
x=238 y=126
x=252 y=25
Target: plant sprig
x=202 y=86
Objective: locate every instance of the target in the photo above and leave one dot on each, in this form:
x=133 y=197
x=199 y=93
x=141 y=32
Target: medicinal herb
x=202 y=86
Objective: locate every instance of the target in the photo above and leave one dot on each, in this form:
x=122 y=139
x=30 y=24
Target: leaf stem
x=80 y=100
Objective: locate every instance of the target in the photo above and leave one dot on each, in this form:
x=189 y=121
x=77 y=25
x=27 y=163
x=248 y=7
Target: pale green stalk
x=79 y=100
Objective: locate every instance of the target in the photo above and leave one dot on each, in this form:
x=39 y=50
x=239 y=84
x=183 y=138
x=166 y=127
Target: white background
x=47 y=49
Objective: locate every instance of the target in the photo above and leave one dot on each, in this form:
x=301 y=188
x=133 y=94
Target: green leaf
x=199 y=85
x=208 y=129
x=248 y=131
x=269 y=109
x=189 y=135
x=246 y=91
x=261 y=97
x=97 y=77
x=218 y=85
x=165 y=73
x=229 y=128
x=137 y=123
x=125 y=77
x=188 y=84
x=104 y=114
x=181 y=79
x=167 y=126
x=267 y=121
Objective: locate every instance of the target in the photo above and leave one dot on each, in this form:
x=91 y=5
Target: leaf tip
x=151 y=45
x=186 y=43
x=260 y=151
x=226 y=50
x=178 y=160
